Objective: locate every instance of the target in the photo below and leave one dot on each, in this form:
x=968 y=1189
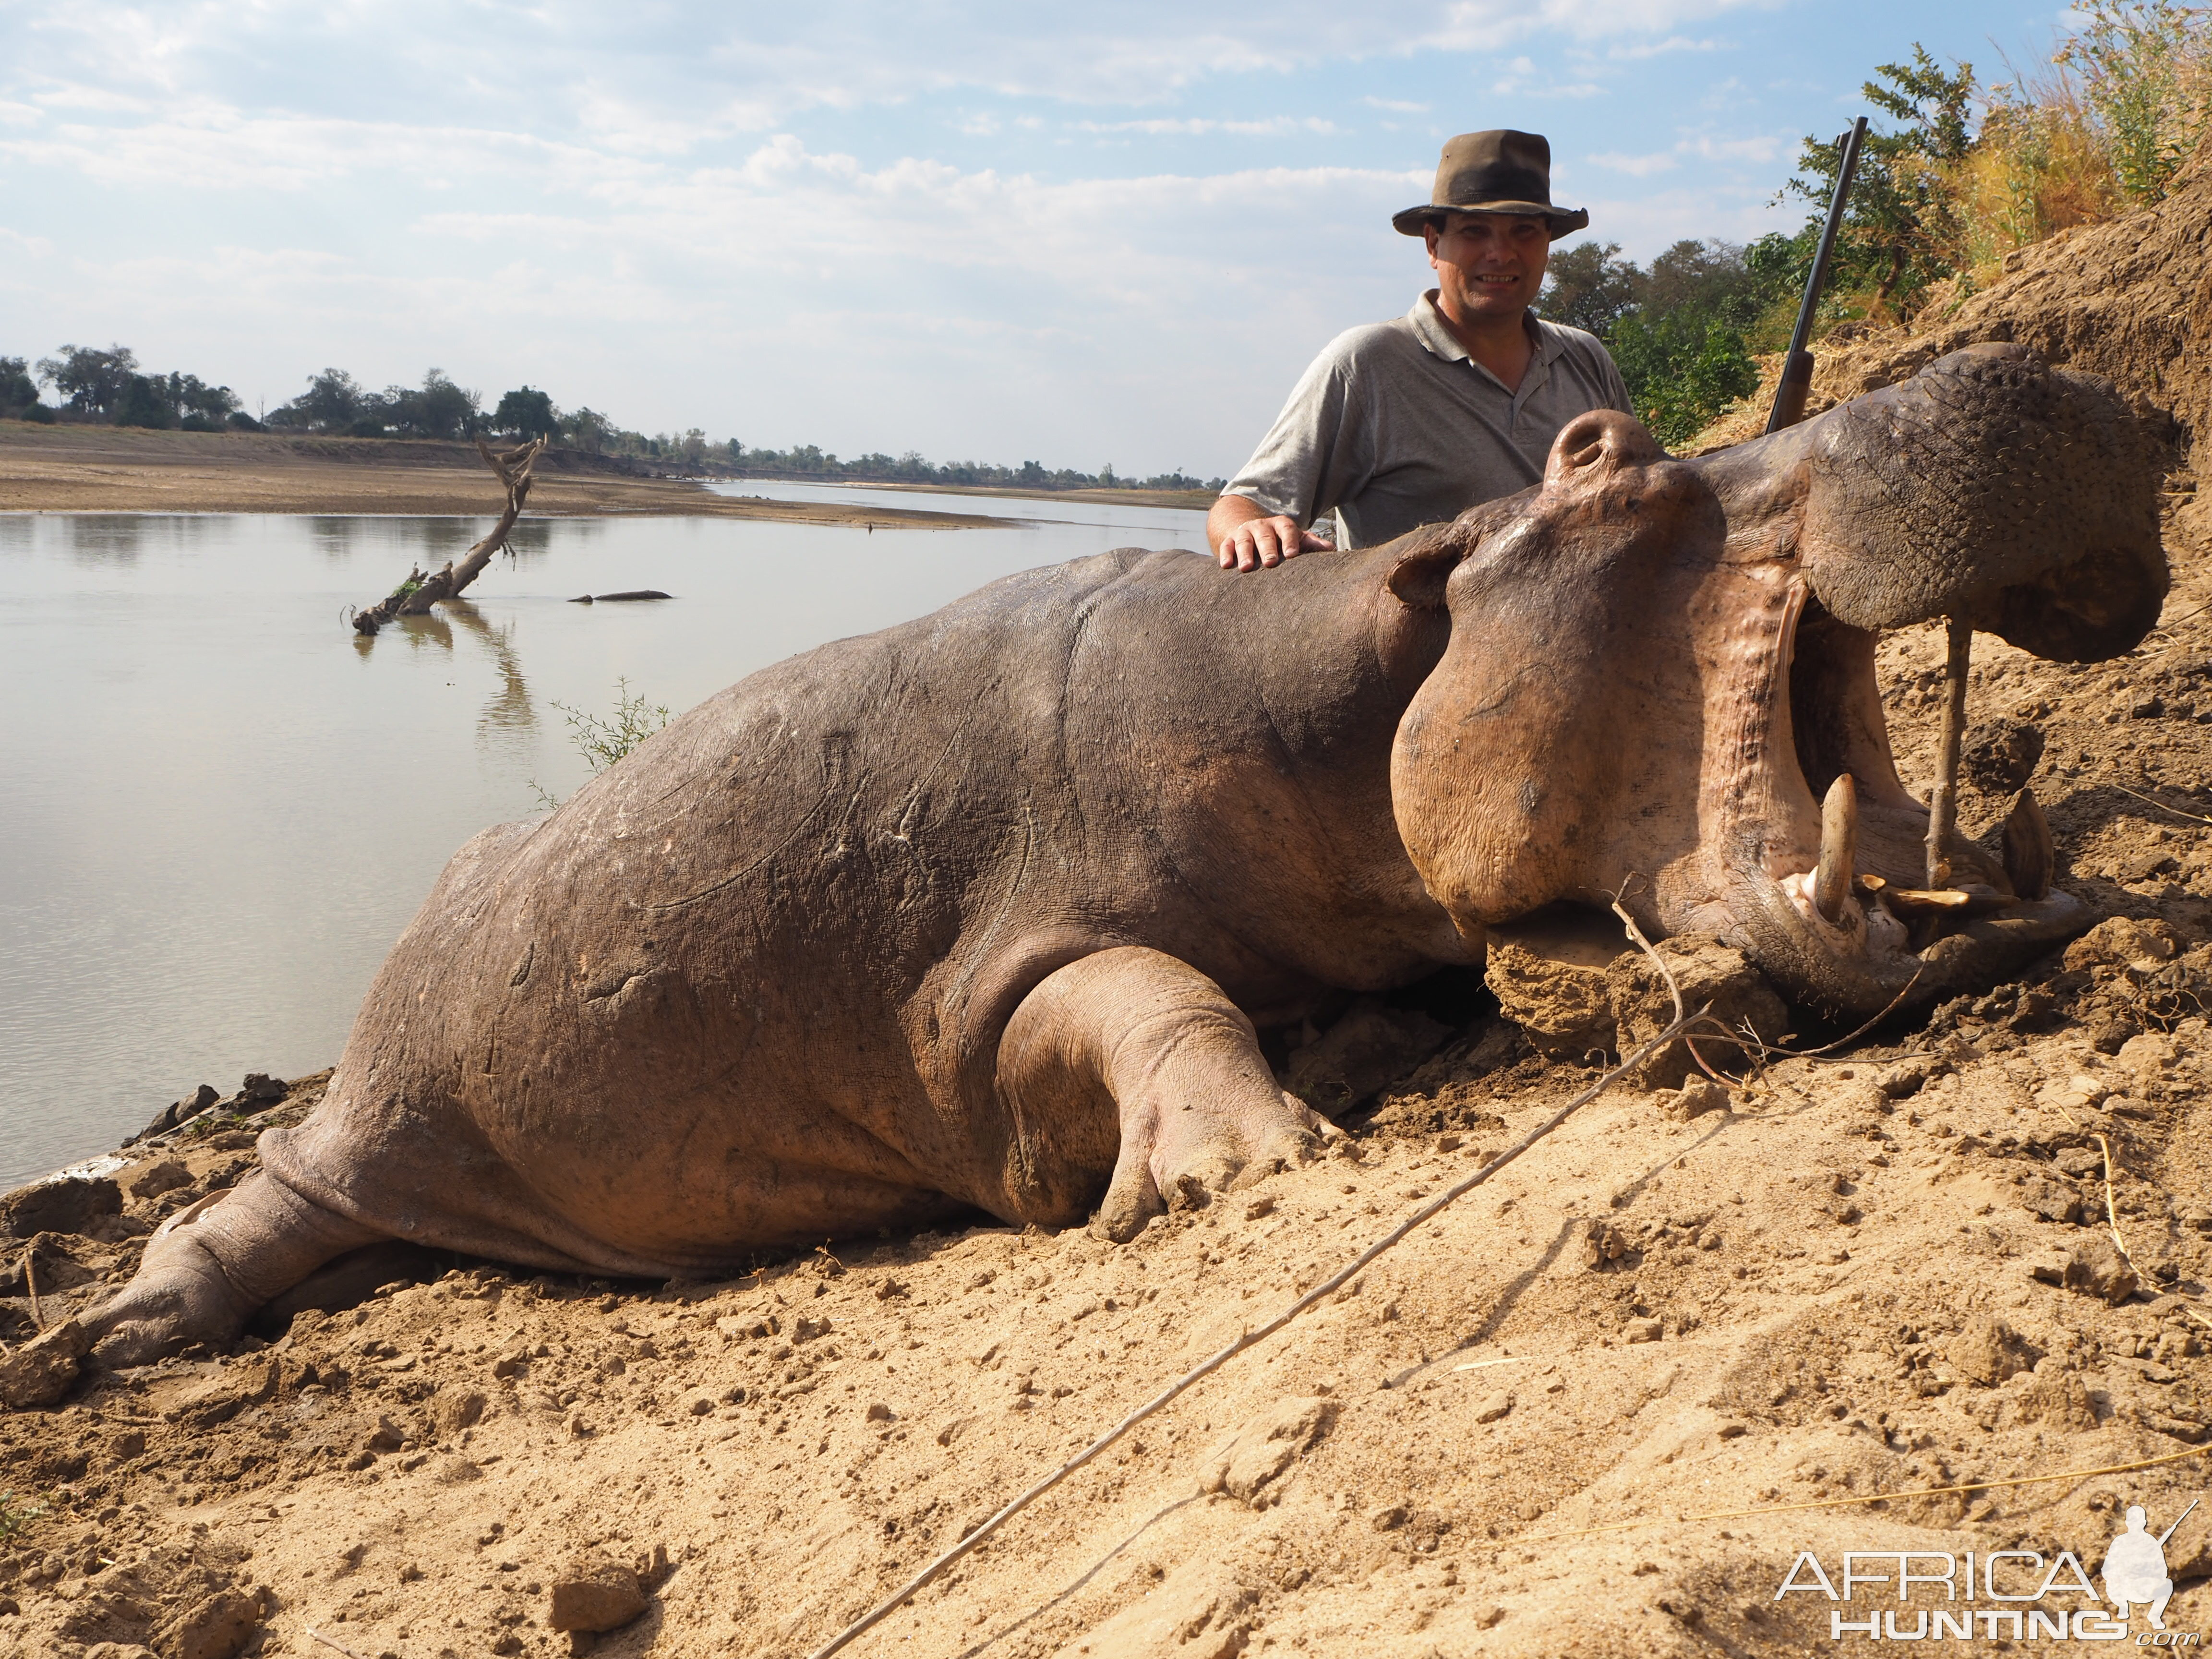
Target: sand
x=98 y=469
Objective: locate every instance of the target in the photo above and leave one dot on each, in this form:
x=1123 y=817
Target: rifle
x=1797 y=366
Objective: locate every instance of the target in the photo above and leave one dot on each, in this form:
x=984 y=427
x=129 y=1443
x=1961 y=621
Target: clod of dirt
x=156 y=1179
x=1549 y=977
x=1370 y=1046
x=1264 y=1447
x=43 y=1369
x=176 y=1112
x=217 y=1627
x=1697 y=1097
x=2058 y=1397
x=260 y=1089
x=2118 y=941
x=2000 y=755
x=59 y=1206
x=1989 y=1350
x=2093 y=1267
x=596 y=1594
x=1708 y=972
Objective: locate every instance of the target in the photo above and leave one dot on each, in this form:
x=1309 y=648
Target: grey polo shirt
x=1394 y=426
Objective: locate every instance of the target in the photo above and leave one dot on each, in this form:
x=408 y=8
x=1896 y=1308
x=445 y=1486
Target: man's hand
x=1245 y=536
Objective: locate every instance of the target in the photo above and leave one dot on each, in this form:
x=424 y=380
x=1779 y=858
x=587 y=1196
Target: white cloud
x=1274 y=127
x=646 y=79
x=1637 y=167
x=1758 y=147
x=1637 y=50
x=1398 y=104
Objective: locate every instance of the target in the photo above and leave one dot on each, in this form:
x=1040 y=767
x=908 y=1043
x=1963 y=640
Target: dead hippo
x=982 y=910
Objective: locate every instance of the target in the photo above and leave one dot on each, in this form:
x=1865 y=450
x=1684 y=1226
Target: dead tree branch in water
x=415 y=596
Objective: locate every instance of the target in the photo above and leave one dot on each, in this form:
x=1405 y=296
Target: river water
x=219 y=806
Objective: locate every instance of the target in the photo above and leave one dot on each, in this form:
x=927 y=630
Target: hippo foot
x=179 y=1296
x=207 y=1268
x=1197 y=1108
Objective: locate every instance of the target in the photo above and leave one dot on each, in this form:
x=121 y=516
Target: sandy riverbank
x=97 y=468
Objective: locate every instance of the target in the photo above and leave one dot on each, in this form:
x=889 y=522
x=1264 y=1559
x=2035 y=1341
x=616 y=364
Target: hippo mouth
x=2008 y=497
x=1824 y=862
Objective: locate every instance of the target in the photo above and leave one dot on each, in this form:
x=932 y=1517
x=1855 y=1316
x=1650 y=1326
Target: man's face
x=1488 y=265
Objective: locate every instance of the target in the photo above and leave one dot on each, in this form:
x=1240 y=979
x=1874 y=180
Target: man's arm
x=1245 y=536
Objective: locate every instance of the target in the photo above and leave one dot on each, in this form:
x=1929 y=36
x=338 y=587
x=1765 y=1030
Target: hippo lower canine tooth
x=1840 y=847
x=985 y=913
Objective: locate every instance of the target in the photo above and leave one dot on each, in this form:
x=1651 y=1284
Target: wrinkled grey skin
x=982 y=910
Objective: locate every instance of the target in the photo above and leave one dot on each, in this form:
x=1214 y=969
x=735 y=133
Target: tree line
x=1956 y=173
x=109 y=387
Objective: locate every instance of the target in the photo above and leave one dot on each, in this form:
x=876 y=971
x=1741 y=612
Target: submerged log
x=415 y=596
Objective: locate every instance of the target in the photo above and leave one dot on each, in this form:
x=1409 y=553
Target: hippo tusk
x=1943 y=799
x=1839 y=847
x=2030 y=859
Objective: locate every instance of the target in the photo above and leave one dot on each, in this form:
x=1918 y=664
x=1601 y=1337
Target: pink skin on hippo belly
x=980 y=912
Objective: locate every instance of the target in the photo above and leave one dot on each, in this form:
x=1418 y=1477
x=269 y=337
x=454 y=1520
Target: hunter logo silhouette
x=2135 y=1567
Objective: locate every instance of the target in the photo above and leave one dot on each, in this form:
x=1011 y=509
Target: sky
x=1081 y=235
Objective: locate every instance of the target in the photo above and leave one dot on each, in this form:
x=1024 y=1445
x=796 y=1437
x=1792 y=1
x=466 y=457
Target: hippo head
x=1657 y=669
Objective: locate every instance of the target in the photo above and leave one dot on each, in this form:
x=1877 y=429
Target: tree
x=1587 y=286
x=415 y=596
x=18 y=391
x=89 y=381
x=437 y=409
x=1682 y=368
x=588 y=430
x=140 y=403
x=525 y=413
x=1901 y=229
x=2145 y=67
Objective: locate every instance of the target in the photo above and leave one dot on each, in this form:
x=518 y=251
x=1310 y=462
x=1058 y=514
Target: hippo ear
x=1422 y=569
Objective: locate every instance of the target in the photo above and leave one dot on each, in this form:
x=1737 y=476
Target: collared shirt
x=1394 y=426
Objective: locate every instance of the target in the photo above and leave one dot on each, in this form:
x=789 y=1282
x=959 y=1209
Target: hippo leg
x=1163 y=1047
x=208 y=1269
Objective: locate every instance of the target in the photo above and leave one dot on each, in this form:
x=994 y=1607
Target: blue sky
x=1007 y=231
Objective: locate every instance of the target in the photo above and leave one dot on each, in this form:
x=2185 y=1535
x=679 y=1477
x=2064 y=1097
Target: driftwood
x=415 y=596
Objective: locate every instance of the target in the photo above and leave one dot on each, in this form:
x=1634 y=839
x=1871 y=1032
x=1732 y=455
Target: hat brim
x=1565 y=221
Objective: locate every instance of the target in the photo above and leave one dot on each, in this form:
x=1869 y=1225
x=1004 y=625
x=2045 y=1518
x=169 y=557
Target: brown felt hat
x=1500 y=172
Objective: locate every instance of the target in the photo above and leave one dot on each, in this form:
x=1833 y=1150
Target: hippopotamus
x=985 y=911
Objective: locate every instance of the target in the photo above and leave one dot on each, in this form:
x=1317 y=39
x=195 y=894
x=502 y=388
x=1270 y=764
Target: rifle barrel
x=1797 y=367
x=2176 y=1527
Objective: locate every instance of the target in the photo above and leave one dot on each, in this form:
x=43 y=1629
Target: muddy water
x=218 y=807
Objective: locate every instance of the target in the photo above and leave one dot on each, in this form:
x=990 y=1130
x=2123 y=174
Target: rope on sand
x=974 y=1540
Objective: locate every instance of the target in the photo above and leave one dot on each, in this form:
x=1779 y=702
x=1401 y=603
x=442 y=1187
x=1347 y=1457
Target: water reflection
x=431 y=542
x=508 y=719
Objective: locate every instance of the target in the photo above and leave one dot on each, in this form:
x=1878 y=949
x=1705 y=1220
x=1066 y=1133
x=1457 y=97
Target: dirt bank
x=97 y=468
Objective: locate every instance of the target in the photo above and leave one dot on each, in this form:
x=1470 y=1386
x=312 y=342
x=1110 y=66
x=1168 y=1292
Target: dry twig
x=31 y=1283
x=2194 y=817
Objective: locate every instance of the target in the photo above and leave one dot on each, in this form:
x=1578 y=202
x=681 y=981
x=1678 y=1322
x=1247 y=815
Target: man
x=1409 y=423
